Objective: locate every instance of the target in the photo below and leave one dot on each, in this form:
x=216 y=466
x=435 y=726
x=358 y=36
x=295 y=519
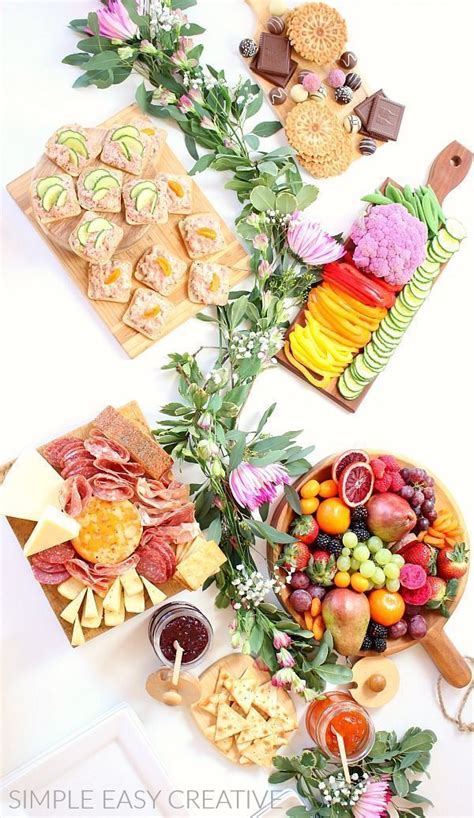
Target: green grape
x=370 y=585
x=367 y=568
x=361 y=553
x=374 y=544
x=391 y=570
x=397 y=559
x=349 y=539
x=392 y=585
x=383 y=556
x=378 y=577
x=355 y=565
x=346 y=552
x=344 y=563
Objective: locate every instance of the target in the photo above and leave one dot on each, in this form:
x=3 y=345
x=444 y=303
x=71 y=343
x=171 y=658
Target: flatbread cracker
x=228 y=722
x=261 y=752
x=265 y=699
x=211 y=703
x=242 y=691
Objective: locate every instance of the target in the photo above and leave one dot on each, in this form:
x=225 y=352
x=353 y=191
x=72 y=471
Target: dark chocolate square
x=364 y=108
x=385 y=118
x=274 y=54
x=275 y=79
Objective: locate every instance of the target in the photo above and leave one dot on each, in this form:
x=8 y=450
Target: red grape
x=300 y=600
x=299 y=580
x=399 y=629
x=417 y=627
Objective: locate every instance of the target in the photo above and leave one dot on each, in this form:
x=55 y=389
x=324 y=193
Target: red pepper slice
x=349 y=274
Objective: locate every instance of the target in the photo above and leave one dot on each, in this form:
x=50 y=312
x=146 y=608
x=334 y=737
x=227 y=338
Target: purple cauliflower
x=389 y=242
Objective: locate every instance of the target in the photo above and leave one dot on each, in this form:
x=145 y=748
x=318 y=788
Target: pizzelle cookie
x=311 y=128
x=317 y=32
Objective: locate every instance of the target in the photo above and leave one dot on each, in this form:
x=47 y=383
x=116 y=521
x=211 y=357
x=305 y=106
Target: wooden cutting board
x=444 y=654
x=260 y=8
x=447 y=172
x=235 y=664
x=23 y=528
x=167 y=234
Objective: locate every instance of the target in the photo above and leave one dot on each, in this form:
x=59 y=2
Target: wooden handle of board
x=447 y=658
x=449 y=169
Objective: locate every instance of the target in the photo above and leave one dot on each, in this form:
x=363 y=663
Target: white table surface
x=61 y=366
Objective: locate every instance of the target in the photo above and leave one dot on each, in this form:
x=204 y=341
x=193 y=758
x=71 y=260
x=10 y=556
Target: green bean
x=376 y=198
x=431 y=219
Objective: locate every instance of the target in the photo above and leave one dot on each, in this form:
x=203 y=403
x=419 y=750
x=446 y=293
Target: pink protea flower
x=310 y=242
x=281 y=639
x=285 y=659
x=260 y=241
x=115 y=22
x=373 y=801
x=252 y=486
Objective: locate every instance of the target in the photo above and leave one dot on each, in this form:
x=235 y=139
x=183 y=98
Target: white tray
x=93 y=769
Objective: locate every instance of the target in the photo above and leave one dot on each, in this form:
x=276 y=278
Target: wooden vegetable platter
x=444 y=654
x=23 y=528
x=136 y=241
x=235 y=664
x=447 y=172
x=260 y=9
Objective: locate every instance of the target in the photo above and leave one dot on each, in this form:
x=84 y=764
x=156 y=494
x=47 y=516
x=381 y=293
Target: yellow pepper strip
x=325 y=362
x=301 y=353
x=328 y=328
x=319 y=384
x=345 y=328
x=346 y=311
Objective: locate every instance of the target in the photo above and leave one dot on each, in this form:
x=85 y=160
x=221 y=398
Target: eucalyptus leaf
x=202 y=164
x=286 y=203
x=335 y=674
x=306 y=196
x=262 y=198
x=267 y=128
x=252 y=141
x=400 y=783
x=292 y=498
x=267 y=532
x=214 y=532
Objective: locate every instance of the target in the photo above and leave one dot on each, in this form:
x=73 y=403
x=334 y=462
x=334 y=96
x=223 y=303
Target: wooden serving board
x=444 y=654
x=235 y=664
x=111 y=313
x=23 y=528
x=447 y=172
x=260 y=8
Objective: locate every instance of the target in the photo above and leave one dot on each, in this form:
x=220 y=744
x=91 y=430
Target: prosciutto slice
x=98 y=445
x=75 y=494
x=110 y=487
x=99 y=576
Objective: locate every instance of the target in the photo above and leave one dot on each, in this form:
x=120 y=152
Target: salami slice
x=75 y=494
x=55 y=451
x=110 y=487
x=56 y=556
x=129 y=471
x=153 y=568
x=79 y=465
x=100 y=446
x=47 y=578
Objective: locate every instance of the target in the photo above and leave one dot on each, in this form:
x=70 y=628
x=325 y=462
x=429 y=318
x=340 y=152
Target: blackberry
x=359 y=514
x=379 y=645
x=335 y=547
x=367 y=643
x=377 y=631
x=362 y=533
x=323 y=540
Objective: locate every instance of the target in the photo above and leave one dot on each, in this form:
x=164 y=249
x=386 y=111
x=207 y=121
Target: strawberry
x=453 y=561
x=305 y=529
x=441 y=593
x=321 y=568
x=296 y=556
x=418 y=553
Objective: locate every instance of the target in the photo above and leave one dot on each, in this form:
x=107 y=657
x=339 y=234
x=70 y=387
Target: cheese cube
x=71 y=611
x=77 y=634
x=70 y=588
x=30 y=485
x=113 y=597
x=154 y=593
x=112 y=618
x=53 y=528
x=134 y=603
x=131 y=582
x=94 y=620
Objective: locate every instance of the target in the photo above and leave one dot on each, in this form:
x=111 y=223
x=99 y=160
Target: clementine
x=386 y=607
x=333 y=516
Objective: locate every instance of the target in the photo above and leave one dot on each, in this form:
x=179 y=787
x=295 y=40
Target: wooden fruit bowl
x=444 y=654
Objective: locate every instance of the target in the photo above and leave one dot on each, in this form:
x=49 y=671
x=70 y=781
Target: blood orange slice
x=356 y=484
x=345 y=459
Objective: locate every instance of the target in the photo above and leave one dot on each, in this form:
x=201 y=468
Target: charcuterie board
x=444 y=654
x=23 y=528
x=137 y=241
x=447 y=172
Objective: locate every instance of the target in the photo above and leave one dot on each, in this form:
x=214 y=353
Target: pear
x=346 y=615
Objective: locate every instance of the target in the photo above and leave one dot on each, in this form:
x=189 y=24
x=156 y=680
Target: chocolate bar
x=275 y=79
x=385 y=118
x=274 y=54
x=364 y=108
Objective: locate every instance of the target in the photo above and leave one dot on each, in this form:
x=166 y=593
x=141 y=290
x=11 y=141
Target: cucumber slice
x=372 y=362
x=455 y=229
x=393 y=320
x=404 y=313
x=439 y=251
x=376 y=353
x=417 y=291
x=346 y=392
x=411 y=299
x=431 y=268
x=353 y=384
x=360 y=368
x=447 y=242
x=424 y=286
x=420 y=275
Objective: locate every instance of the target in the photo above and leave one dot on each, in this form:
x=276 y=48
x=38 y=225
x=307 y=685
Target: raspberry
x=384 y=483
x=390 y=462
x=397 y=481
x=378 y=467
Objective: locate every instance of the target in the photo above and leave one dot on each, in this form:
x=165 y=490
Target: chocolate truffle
x=352 y=123
x=298 y=93
x=321 y=93
x=367 y=146
x=336 y=78
x=276 y=25
x=347 y=60
x=248 y=48
x=353 y=81
x=277 y=96
x=343 y=95
x=302 y=74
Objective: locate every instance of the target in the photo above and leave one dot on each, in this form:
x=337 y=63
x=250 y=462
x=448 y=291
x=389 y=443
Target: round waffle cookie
x=331 y=163
x=312 y=129
x=317 y=32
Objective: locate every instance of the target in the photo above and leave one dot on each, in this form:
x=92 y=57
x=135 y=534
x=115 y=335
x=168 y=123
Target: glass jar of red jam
x=183 y=623
x=337 y=712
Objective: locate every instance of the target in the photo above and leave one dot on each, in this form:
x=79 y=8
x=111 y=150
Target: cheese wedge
x=70 y=588
x=94 y=620
x=53 y=528
x=131 y=582
x=77 y=634
x=30 y=485
x=154 y=593
x=113 y=597
x=112 y=618
x=71 y=611
x=134 y=603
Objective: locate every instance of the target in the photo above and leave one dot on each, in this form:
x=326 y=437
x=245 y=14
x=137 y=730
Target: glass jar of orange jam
x=337 y=712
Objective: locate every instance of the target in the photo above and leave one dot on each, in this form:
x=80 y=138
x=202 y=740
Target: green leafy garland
x=201 y=427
